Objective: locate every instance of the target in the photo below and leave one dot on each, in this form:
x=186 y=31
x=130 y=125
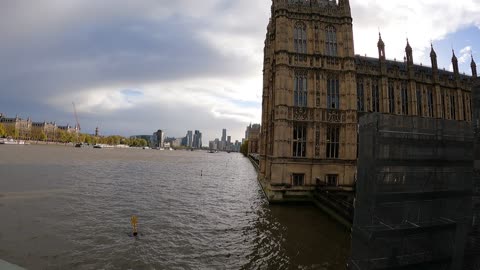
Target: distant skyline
x=133 y=67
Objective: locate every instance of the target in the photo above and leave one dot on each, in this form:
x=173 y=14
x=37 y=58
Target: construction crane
x=77 y=127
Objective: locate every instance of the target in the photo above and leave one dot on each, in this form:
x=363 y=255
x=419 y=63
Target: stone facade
x=315 y=88
x=26 y=129
x=473 y=247
x=253 y=137
x=18 y=126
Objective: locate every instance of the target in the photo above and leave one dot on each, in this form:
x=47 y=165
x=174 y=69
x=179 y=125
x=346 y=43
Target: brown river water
x=70 y=208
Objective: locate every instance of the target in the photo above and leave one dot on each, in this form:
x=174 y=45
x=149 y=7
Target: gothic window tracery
x=375 y=96
x=419 y=101
x=430 y=104
x=333 y=141
x=333 y=93
x=299 y=140
x=300 y=91
x=300 y=38
x=391 y=98
x=331 y=41
x=360 y=95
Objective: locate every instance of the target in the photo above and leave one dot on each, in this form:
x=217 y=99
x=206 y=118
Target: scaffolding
x=472 y=252
x=413 y=206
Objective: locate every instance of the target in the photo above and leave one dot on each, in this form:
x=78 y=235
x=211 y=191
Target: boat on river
x=101 y=146
x=10 y=141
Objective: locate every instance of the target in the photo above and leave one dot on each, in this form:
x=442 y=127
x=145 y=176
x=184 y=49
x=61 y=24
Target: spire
x=409 y=52
x=432 y=52
x=455 y=63
x=474 y=68
x=408 y=48
x=381 y=47
x=433 y=57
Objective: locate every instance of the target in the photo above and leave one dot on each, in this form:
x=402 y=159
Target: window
x=333 y=141
x=391 y=97
x=331 y=41
x=332 y=180
x=300 y=38
x=444 y=109
x=452 y=107
x=300 y=92
x=317 y=86
x=360 y=96
x=430 y=102
x=299 y=140
x=404 y=93
x=375 y=96
x=419 y=101
x=464 y=108
x=333 y=93
x=298 y=179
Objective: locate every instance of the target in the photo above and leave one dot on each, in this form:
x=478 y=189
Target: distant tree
x=244 y=148
x=81 y=138
x=11 y=131
x=43 y=136
x=143 y=142
x=3 y=131
x=88 y=139
x=60 y=136
x=35 y=133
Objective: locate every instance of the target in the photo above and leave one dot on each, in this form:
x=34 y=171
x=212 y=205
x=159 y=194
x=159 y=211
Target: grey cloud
x=53 y=48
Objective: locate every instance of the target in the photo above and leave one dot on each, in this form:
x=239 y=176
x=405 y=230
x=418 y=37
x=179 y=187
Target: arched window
x=333 y=93
x=300 y=91
x=300 y=38
x=331 y=41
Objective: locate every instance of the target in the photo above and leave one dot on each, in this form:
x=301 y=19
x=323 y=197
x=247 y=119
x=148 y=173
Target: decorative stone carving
x=334 y=117
x=317 y=141
x=300 y=113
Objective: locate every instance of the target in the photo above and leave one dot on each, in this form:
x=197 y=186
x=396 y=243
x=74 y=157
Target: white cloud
x=229 y=27
x=465 y=54
x=421 y=21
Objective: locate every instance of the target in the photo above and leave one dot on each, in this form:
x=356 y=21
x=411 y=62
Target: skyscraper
x=158 y=139
x=197 y=140
x=224 y=135
x=189 y=138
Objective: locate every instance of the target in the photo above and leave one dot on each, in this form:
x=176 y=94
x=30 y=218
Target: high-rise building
x=224 y=135
x=158 y=139
x=189 y=138
x=197 y=140
x=315 y=88
x=229 y=140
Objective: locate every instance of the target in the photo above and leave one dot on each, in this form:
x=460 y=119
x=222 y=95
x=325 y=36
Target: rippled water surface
x=67 y=208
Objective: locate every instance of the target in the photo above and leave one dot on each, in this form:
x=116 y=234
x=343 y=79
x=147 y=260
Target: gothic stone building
x=315 y=89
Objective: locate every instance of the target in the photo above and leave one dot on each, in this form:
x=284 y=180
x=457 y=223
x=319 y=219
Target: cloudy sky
x=134 y=66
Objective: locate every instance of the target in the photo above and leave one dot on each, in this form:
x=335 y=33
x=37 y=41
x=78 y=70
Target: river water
x=68 y=208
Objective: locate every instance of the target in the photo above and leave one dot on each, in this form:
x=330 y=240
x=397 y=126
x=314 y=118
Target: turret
x=433 y=57
x=409 y=52
x=345 y=5
x=381 y=48
x=455 y=64
x=474 y=68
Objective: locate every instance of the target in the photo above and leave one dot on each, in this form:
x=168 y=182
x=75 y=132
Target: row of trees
x=244 y=148
x=66 y=137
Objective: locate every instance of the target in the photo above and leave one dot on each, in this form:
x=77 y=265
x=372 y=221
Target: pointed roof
x=408 y=48
x=380 y=41
x=454 y=57
x=473 y=64
x=432 y=52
